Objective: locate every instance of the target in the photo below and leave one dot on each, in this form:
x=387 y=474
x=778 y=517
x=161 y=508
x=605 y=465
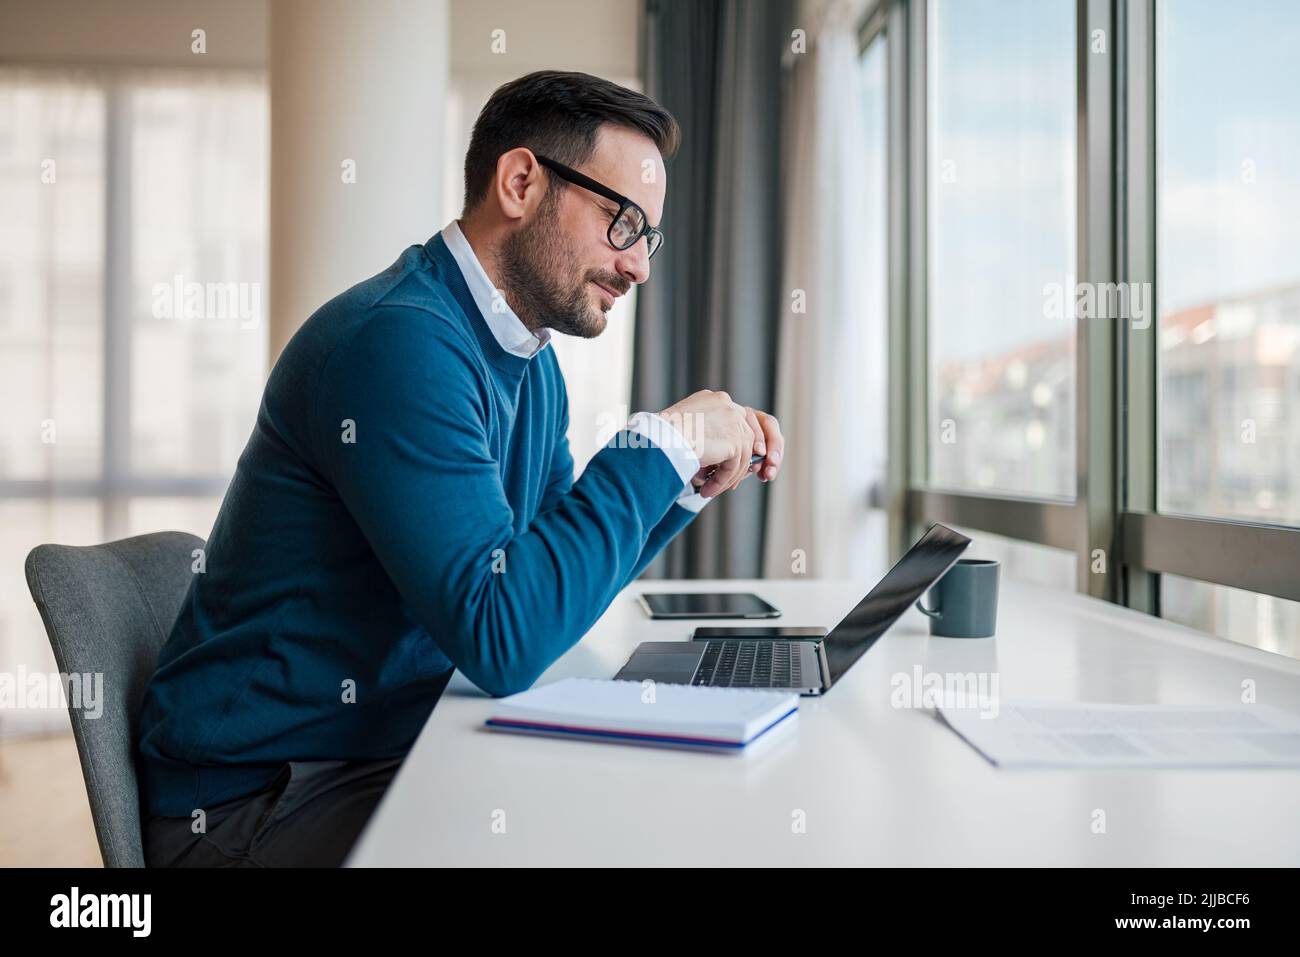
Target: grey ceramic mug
x=964 y=602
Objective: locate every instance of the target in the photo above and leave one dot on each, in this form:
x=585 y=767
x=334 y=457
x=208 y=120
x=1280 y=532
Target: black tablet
x=707 y=605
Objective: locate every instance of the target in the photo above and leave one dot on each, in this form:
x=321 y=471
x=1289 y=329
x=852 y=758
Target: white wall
x=360 y=83
x=138 y=32
x=595 y=36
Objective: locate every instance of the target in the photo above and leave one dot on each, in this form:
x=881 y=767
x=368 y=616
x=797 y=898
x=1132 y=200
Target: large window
x=200 y=164
x=1227 y=86
x=1228 y=244
x=133 y=342
x=1098 y=315
x=52 y=184
x=1001 y=235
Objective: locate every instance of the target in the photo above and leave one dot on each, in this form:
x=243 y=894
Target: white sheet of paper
x=1080 y=735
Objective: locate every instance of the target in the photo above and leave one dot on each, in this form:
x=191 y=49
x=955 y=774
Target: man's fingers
x=736 y=466
x=775 y=446
x=711 y=488
x=760 y=440
x=740 y=433
x=750 y=435
x=721 y=479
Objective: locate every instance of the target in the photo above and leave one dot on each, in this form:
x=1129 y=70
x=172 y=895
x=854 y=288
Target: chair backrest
x=107 y=610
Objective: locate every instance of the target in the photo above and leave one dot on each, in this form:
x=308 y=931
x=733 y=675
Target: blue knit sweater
x=405 y=506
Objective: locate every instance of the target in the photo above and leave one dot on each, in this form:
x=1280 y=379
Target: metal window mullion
x=898 y=172
x=1041 y=521
x=117 y=309
x=1138 y=262
x=1251 y=557
x=152 y=486
x=917 y=310
x=1096 y=339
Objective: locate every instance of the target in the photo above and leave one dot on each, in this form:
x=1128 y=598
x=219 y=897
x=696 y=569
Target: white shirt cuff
x=668 y=439
x=692 y=501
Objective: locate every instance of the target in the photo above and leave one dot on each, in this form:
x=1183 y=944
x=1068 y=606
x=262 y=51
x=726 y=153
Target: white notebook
x=637 y=712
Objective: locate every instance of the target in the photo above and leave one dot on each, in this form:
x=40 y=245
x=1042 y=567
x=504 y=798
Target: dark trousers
x=309 y=816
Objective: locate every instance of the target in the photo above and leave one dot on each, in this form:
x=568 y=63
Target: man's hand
x=725 y=436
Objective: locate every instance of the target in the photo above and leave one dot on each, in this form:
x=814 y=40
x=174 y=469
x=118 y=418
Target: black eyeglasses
x=628 y=225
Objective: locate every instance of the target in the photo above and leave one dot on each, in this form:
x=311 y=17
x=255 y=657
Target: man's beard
x=532 y=261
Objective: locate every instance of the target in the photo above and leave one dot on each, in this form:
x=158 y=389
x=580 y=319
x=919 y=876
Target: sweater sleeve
x=420 y=479
x=560 y=480
x=678 y=518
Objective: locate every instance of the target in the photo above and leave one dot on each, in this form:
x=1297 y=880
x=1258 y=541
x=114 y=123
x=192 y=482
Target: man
x=406 y=504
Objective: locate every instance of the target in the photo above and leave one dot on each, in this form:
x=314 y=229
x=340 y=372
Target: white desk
x=876 y=785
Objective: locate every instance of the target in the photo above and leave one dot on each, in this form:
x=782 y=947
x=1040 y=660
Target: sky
x=1002 y=148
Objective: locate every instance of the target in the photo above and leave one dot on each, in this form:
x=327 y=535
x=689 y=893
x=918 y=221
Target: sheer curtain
x=831 y=358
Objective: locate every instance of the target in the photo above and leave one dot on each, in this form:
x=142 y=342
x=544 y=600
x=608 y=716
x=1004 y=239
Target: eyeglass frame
x=600 y=189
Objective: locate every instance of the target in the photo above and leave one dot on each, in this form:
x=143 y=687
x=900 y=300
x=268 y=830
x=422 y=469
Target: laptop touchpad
x=662 y=661
x=670 y=667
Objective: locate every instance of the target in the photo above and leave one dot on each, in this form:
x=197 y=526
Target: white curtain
x=831 y=361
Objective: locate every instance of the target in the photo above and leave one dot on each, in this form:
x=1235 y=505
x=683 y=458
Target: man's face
x=559 y=267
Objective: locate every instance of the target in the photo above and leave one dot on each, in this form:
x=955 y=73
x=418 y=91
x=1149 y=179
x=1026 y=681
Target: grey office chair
x=108 y=609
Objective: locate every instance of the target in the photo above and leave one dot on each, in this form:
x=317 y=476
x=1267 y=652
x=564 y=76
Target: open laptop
x=807 y=660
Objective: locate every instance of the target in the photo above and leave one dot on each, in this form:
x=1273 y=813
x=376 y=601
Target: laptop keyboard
x=758 y=663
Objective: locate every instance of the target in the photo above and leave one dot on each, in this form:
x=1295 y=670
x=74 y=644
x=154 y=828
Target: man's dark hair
x=557 y=114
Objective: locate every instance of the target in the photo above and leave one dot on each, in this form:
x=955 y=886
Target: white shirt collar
x=508 y=329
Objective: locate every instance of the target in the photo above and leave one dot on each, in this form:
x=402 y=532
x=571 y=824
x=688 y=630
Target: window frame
x=1121 y=542
x=1252 y=556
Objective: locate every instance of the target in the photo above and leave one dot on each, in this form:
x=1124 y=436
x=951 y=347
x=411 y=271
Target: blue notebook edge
x=629 y=737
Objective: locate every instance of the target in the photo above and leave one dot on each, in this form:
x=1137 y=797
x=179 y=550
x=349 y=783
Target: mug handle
x=935 y=613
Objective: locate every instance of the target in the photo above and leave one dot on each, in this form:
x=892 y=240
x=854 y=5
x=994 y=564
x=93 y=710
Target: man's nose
x=633 y=263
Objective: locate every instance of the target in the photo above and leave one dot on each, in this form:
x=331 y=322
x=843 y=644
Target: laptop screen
x=922 y=566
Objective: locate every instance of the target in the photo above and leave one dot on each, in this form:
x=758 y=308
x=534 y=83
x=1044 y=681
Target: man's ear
x=519 y=182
